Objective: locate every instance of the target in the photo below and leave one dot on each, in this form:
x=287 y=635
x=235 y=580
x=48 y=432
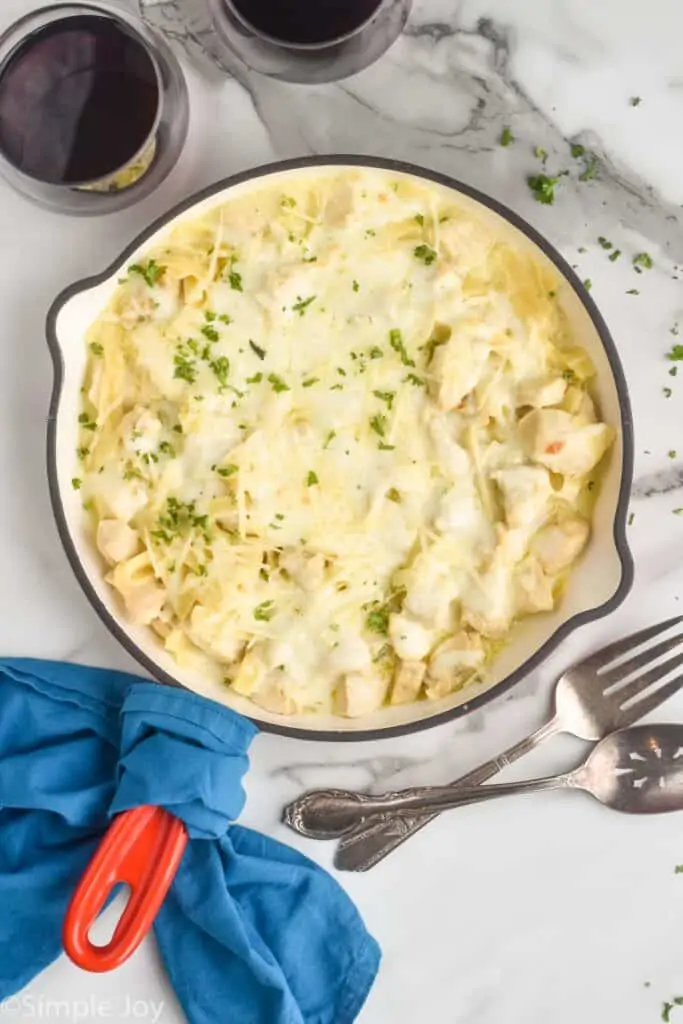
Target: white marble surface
x=545 y=908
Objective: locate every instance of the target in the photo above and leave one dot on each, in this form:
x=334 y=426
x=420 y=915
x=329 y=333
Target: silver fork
x=600 y=694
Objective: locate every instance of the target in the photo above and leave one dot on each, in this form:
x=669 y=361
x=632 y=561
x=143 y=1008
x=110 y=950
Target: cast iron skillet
x=598 y=585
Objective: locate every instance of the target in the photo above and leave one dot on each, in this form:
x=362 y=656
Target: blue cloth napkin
x=251 y=932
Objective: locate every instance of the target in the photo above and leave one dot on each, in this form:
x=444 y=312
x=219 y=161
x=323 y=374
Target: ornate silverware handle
x=376 y=838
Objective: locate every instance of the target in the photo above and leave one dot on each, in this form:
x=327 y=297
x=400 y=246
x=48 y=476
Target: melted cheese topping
x=335 y=440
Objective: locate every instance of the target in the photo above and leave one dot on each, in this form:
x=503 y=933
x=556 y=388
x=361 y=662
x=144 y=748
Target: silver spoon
x=637 y=770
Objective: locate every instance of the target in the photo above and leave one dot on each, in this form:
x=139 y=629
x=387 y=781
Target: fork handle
x=374 y=840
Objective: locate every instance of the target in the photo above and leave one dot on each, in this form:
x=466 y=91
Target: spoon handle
x=445 y=798
x=376 y=838
x=326 y=813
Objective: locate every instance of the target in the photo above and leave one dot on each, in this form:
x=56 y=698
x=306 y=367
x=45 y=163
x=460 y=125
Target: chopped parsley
x=210 y=333
x=264 y=612
x=378 y=423
x=185 y=368
x=151 y=272
x=179 y=517
x=613 y=256
x=675 y=355
x=678 y=511
x=631 y=518
x=355 y=286
x=678 y=870
x=277 y=383
x=506 y=136
x=224 y=318
x=419 y=219
x=82 y=453
x=177 y=429
x=590 y=170
x=260 y=352
x=310 y=382
x=577 y=150
x=330 y=437
x=310 y=259
x=588 y=284
x=418 y=382
x=543 y=188
x=386 y=447
x=635 y=101
x=228 y=470
x=76 y=483
x=673 y=372
x=370 y=233
x=540 y=153
x=255 y=379
x=235 y=281
x=643 y=259
x=166 y=448
x=396 y=342
x=393 y=495
x=375 y=352
x=89 y=424
x=301 y=305
x=633 y=291
x=378 y=621
x=668 y=1006
x=386 y=396
x=672 y=453
x=221 y=369
x=288 y=202
x=605 y=243
x=337 y=387
x=96 y=348
x=667 y=392
x=425 y=253
x=311 y=478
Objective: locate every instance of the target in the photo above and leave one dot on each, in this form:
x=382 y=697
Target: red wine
x=78 y=100
x=306 y=21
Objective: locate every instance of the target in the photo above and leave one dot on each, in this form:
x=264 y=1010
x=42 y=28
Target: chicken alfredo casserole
x=335 y=440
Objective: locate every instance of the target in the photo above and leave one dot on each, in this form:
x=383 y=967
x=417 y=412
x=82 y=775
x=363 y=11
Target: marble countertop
x=545 y=908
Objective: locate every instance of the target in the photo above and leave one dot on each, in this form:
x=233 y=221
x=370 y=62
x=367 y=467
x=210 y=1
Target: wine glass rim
x=286 y=44
x=21 y=29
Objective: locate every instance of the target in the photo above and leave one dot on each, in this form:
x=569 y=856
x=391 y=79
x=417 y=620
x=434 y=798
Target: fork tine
x=611 y=677
x=647 y=679
x=639 y=708
x=606 y=655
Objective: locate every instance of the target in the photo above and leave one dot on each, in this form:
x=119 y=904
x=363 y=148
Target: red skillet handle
x=142 y=847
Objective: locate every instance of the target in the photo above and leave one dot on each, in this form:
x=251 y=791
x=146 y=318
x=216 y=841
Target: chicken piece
x=526 y=493
x=452 y=663
x=457 y=367
x=487 y=603
x=554 y=438
x=558 y=545
x=410 y=639
x=541 y=393
x=250 y=674
x=116 y=541
x=350 y=653
x=533 y=589
x=361 y=692
x=407 y=681
x=272 y=695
